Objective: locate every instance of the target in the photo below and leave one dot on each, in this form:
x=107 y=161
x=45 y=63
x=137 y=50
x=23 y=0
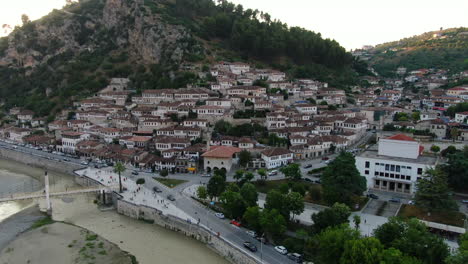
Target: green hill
x=73 y=52
x=445 y=49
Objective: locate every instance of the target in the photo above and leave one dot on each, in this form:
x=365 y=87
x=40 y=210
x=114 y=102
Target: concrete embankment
x=39 y=162
x=193 y=230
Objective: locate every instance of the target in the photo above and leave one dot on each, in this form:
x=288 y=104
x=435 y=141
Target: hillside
x=73 y=52
x=445 y=49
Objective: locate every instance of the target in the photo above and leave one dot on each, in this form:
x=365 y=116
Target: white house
x=71 y=139
x=395 y=165
x=276 y=157
x=461 y=118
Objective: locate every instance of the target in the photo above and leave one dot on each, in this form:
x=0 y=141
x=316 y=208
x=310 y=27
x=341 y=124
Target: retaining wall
x=226 y=249
x=40 y=162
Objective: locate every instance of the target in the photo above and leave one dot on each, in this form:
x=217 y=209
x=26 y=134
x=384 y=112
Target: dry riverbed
x=62 y=243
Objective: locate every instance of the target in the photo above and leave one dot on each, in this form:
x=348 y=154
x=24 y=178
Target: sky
x=353 y=23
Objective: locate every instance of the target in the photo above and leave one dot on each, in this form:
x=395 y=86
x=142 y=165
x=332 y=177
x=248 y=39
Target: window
x=387 y=167
x=392 y=168
x=366 y=172
x=408 y=178
x=367 y=164
x=386 y=174
x=397 y=168
x=376 y=173
x=420 y=170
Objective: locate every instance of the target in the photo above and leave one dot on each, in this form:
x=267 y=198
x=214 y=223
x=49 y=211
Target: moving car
x=325 y=158
x=156 y=189
x=372 y=196
x=465 y=201
x=394 y=200
x=206 y=175
x=295 y=257
x=308 y=166
x=84 y=163
x=251 y=233
x=281 y=250
x=170 y=197
x=250 y=246
x=234 y=222
x=307 y=179
x=135 y=173
x=411 y=202
x=219 y=215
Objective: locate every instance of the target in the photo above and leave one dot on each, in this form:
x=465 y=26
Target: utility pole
x=48 y=206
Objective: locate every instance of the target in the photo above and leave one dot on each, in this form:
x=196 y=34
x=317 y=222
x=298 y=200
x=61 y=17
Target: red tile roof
x=221 y=152
x=401 y=137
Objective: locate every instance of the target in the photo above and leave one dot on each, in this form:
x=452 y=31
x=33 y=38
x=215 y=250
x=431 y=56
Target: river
x=148 y=243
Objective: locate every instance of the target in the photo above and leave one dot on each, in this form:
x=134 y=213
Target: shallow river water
x=148 y=243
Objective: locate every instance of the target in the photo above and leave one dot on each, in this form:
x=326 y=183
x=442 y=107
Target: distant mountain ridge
x=442 y=49
x=73 y=52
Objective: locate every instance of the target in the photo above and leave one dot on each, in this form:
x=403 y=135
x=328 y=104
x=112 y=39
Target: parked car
x=234 y=222
x=296 y=257
x=411 y=202
x=328 y=161
x=273 y=173
x=325 y=158
x=219 y=215
x=206 y=175
x=170 y=197
x=65 y=159
x=84 y=163
x=465 y=201
x=251 y=233
x=318 y=181
x=281 y=250
x=308 y=166
x=250 y=246
x=135 y=173
x=372 y=196
x=307 y=179
x=395 y=200
x=156 y=189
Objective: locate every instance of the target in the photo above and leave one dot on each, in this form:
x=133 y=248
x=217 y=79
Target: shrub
x=140 y=181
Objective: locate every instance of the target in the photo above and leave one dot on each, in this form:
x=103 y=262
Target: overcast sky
x=352 y=23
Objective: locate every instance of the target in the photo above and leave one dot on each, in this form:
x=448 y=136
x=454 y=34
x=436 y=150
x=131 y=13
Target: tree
x=413 y=239
x=276 y=200
x=248 y=177
x=334 y=216
x=362 y=251
x=461 y=256
x=119 y=168
x=357 y=221
x=202 y=192
x=295 y=203
x=216 y=186
x=238 y=175
x=433 y=192
x=416 y=116
x=341 y=180
x=332 y=148
x=329 y=245
x=233 y=204
x=252 y=217
x=435 y=148
x=273 y=222
x=164 y=173
x=456 y=168
x=244 y=158
x=25 y=19
x=262 y=173
x=140 y=181
x=299 y=187
x=454 y=133
x=449 y=150
x=292 y=172
x=249 y=194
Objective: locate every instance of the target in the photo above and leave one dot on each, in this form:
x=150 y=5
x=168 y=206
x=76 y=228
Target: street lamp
x=261 y=248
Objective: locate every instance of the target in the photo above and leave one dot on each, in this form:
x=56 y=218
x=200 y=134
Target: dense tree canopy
x=341 y=180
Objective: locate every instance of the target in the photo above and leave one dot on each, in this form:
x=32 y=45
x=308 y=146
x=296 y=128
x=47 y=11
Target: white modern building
x=71 y=139
x=395 y=165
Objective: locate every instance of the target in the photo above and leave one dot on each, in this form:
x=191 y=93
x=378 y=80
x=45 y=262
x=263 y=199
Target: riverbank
x=65 y=244
x=145 y=241
x=16 y=224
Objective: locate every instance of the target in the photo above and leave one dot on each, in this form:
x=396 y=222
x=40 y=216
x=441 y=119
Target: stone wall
x=39 y=162
x=223 y=247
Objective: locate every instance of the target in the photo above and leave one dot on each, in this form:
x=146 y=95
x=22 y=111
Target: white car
x=273 y=173
x=219 y=215
x=251 y=233
x=84 y=163
x=281 y=250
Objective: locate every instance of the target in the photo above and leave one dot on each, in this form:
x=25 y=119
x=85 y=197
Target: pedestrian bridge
x=42 y=194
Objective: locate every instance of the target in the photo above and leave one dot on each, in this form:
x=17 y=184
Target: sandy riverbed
x=65 y=244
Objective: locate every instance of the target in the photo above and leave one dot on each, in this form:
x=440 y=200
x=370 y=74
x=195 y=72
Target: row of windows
x=390 y=175
x=391 y=167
